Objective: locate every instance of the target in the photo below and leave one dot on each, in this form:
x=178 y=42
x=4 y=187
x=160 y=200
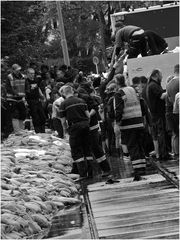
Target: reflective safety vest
x=132 y=114
x=18 y=85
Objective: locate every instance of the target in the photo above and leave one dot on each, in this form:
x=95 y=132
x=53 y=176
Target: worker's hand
x=163 y=96
x=120 y=59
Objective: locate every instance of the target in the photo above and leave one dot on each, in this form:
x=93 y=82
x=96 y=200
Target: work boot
x=82 y=168
x=138 y=173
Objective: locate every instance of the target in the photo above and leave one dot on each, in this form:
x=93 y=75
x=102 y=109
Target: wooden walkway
x=147 y=209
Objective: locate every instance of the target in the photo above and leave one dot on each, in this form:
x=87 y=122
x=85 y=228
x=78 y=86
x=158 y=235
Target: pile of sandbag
x=36 y=183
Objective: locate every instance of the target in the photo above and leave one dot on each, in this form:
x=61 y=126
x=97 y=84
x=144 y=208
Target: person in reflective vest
x=129 y=121
x=15 y=87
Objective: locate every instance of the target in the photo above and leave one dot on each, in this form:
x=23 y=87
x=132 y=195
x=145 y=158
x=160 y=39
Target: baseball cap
x=16 y=67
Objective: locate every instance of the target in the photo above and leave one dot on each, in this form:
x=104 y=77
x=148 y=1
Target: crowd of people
x=97 y=112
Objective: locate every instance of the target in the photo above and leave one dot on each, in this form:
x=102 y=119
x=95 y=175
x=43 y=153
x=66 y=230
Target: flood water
x=67 y=223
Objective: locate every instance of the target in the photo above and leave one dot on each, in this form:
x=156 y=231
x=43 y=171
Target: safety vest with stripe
x=132 y=114
x=18 y=85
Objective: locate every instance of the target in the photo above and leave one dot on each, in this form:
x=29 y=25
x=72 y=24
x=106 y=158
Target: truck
x=164 y=20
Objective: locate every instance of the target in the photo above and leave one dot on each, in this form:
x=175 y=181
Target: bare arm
x=87 y=113
x=92 y=112
x=163 y=95
x=64 y=124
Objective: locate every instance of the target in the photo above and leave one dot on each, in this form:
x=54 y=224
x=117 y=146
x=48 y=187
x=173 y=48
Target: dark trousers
x=137 y=45
x=133 y=139
x=79 y=140
x=160 y=134
x=38 y=116
x=96 y=147
x=58 y=127
x=18 y=109
x=6 y=120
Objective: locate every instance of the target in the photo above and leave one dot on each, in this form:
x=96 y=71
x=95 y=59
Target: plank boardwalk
x=147 y=209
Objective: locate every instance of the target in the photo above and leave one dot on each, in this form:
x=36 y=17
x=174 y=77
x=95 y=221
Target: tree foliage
x=23 y=30
x=29 y=29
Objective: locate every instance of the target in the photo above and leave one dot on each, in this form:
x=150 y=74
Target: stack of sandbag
x=36 y=183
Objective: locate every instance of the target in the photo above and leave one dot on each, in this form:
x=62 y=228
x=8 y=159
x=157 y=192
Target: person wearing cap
x=15 y=87
x=135 y=38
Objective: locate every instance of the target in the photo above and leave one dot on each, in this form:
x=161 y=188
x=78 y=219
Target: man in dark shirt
x=33 y=96
x=155 y=96
x=135 y=38
x=74 y=111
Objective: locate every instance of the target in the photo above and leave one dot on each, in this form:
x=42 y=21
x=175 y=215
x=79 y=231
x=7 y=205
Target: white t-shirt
x=55 y=107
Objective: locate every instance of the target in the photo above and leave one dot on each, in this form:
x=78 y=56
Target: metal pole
x=97 y=69
x=62 y=32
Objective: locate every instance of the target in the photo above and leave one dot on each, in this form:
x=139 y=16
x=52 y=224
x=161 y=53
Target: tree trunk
x=102 y=33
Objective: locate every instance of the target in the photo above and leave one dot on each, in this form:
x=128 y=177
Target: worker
x=129 y=122
x=74 y=116
x=135 y=38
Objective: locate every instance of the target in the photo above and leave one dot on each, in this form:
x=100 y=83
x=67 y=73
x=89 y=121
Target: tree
x=23 y=30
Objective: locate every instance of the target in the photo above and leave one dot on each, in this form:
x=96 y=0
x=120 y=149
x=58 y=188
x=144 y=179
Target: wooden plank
x=147 y=197
x=138 y=220
x=130 y=191
x=134 y=232
x=134 y=210
x=138 y=215
x=136 y=225
x=109 y=196
x=131 y=206
x=164 y=236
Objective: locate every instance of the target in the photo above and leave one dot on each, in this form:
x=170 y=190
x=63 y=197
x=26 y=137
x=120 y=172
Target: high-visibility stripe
x=132 y=126
x=139 y=166
x=133 y=111
x=94 y=127
x=79 y=160
x=138 y=161
x=101 y=159
x=17 y=84
x=89 y=158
